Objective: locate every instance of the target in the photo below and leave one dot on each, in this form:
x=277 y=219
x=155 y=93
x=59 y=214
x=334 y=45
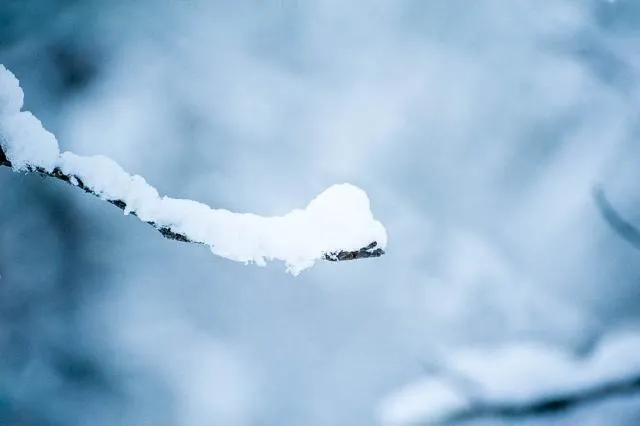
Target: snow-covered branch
x=337 y=225
x=516 y=381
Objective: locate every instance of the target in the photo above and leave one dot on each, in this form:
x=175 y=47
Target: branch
x=514 y=382
x=547 y=405
x=623 y=228
x=337 y=225
x=56 y=173
x=371 y=250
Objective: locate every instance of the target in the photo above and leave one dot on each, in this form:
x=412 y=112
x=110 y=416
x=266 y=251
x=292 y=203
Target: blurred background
x=477 y=128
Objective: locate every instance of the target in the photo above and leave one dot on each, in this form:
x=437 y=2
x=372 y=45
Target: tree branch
x=622 y=227
x=546 y=405
x=371 y=250
x=514 y=382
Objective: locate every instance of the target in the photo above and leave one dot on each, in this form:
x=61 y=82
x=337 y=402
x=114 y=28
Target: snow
x=26 y=143
x=424 y=399
x=11 y=95
x=23 y=139
x=518 y=373
x=340 y=218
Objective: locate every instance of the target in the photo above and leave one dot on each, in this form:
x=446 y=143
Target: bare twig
x=549 y=404
x=371 y=250
x=623 y=228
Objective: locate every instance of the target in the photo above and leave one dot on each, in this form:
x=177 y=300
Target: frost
x=516 y=374
x=339 y=219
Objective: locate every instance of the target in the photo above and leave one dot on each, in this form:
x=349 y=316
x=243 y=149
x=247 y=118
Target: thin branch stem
x=549 y=404
x=622 y=227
